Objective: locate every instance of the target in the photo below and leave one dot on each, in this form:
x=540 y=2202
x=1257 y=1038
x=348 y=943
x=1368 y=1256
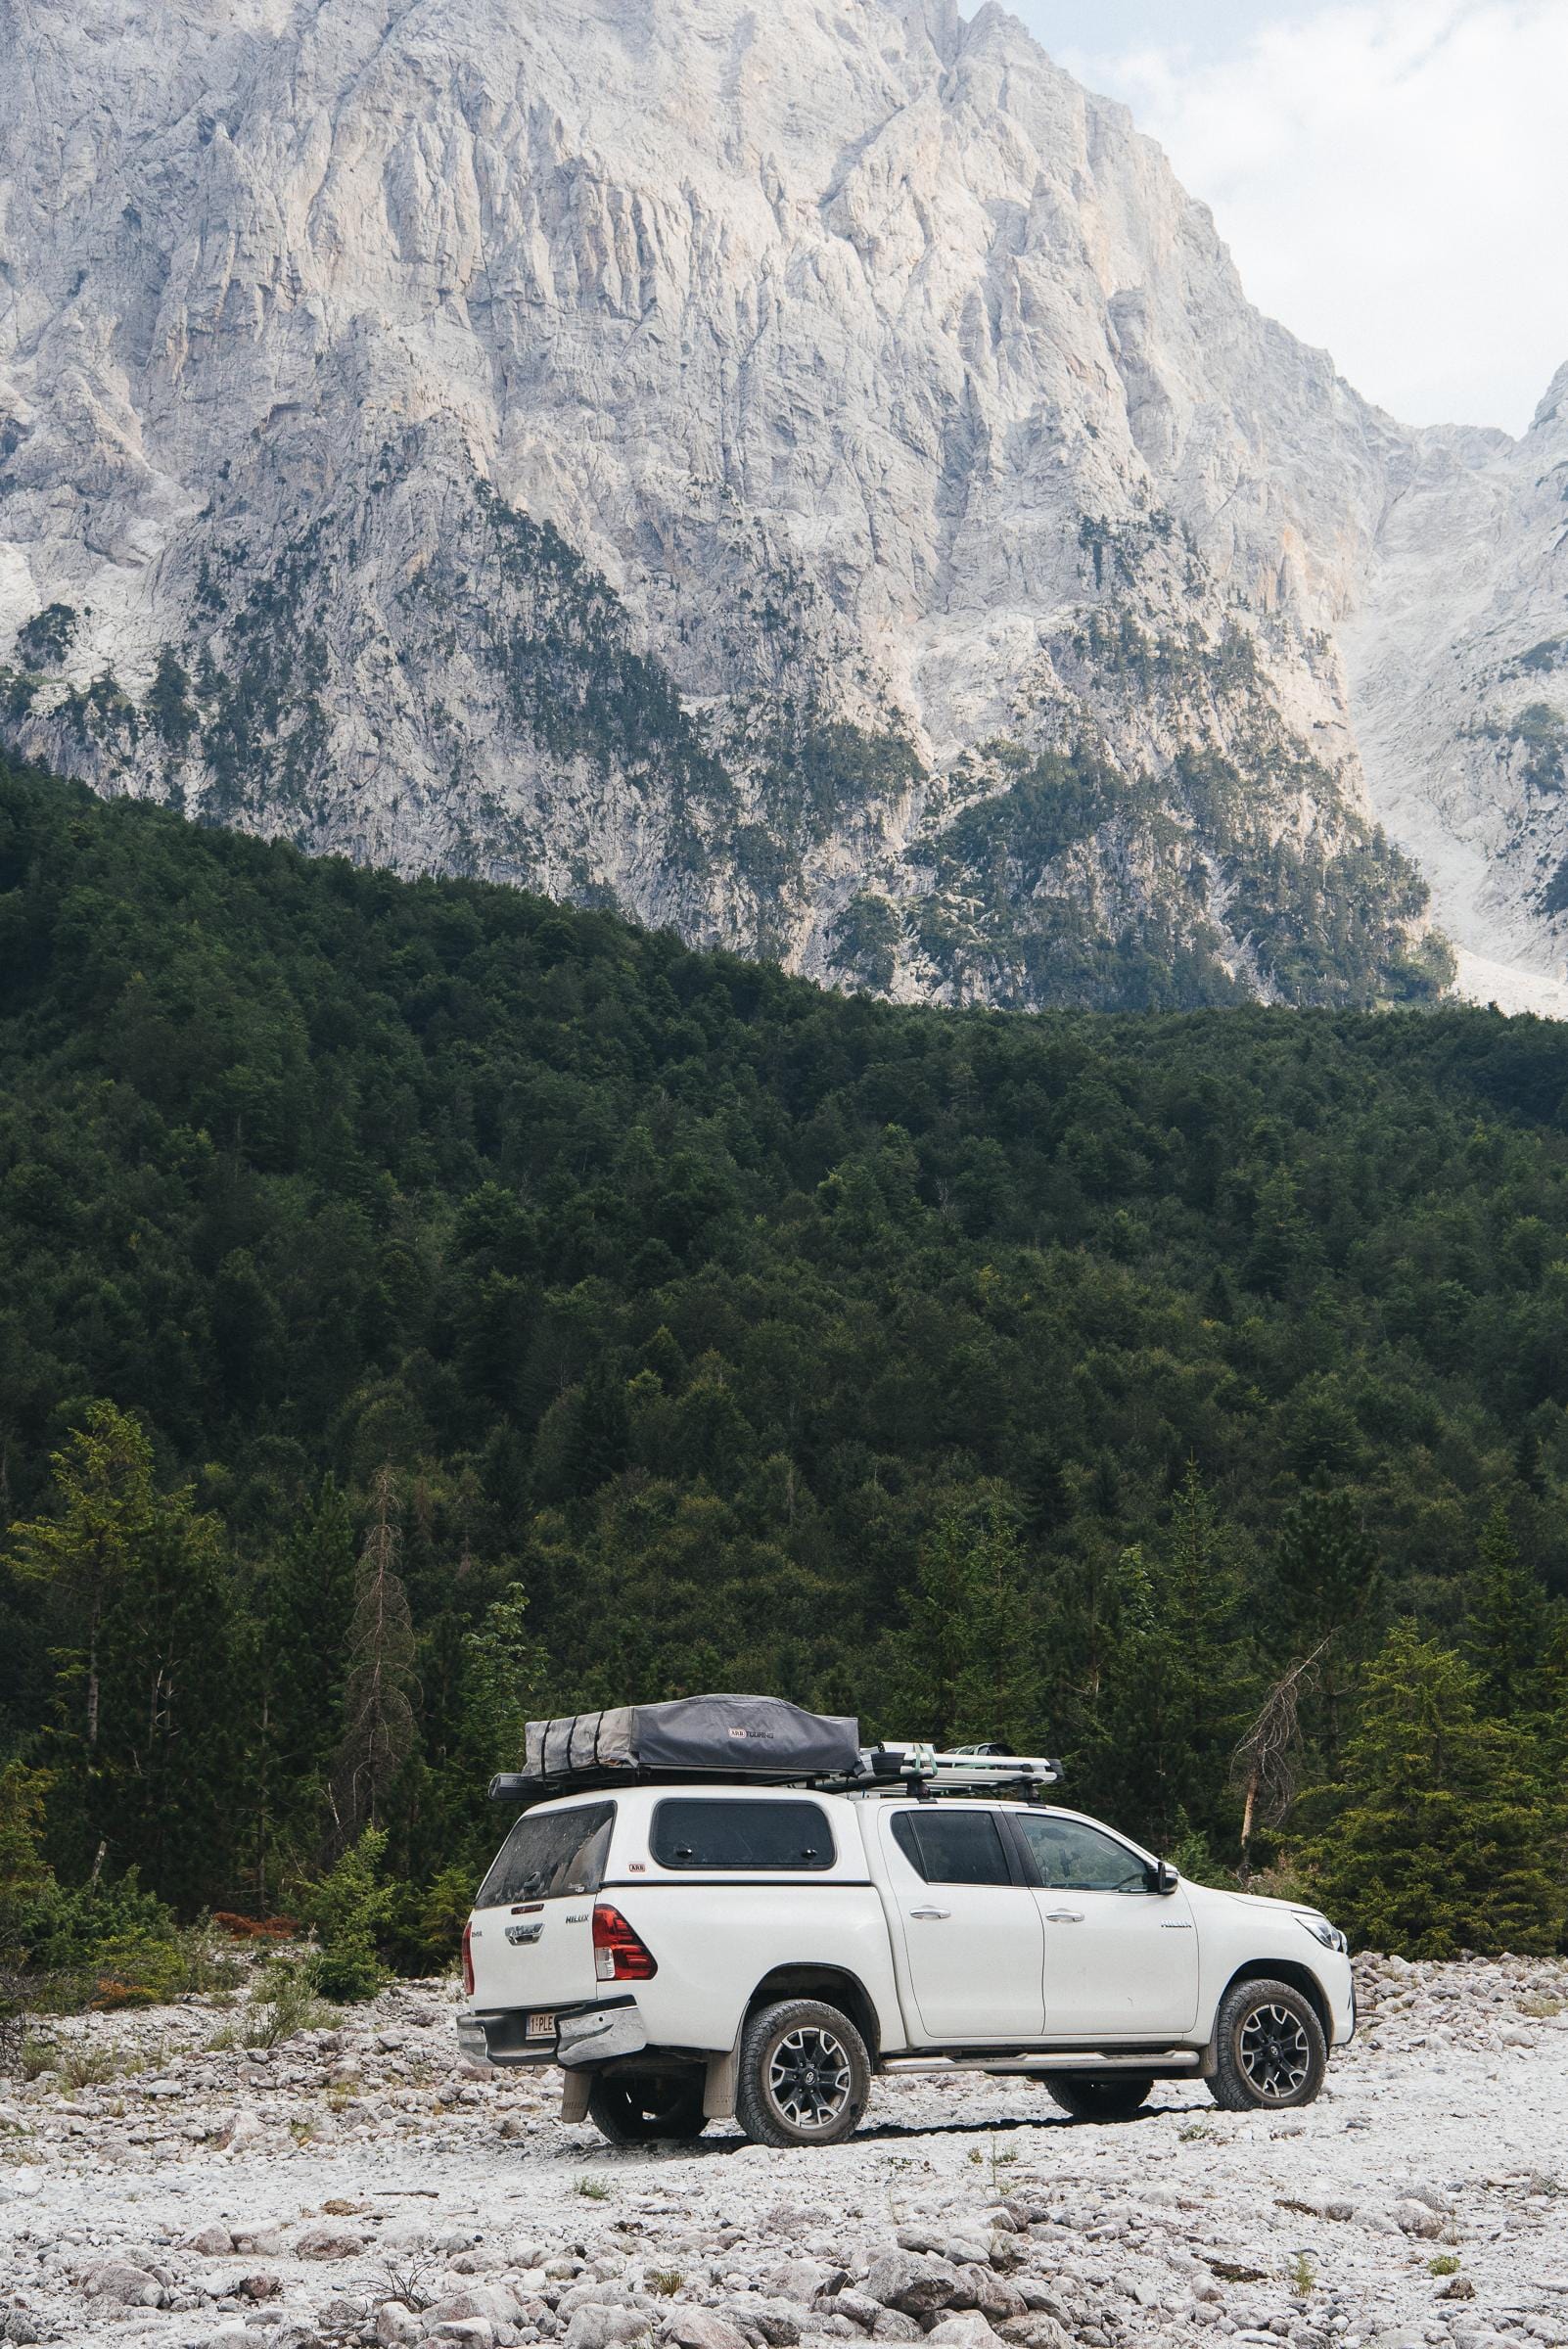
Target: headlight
x=1322 y=1930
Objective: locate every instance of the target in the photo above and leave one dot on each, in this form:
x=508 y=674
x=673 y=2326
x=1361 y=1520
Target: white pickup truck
x=701 y=1951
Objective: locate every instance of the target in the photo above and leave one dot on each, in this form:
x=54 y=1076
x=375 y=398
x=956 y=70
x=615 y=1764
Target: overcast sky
x=1392 y=175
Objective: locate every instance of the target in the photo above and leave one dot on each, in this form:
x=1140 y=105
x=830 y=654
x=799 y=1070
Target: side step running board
x=1169 y=2059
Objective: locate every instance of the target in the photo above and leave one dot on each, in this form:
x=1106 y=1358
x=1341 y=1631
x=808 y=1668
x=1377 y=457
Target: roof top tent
x=751 y=1739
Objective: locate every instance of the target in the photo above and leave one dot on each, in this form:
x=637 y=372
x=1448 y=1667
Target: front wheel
x=634 y=2108
x=1088 y=2098
x=804 y=2075
x=1269 y=2049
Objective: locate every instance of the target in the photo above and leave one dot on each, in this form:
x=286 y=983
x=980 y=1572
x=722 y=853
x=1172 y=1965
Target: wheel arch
x=1283 y=1969
x=833 y=1984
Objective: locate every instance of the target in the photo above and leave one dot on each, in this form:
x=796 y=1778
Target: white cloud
x=1391 y=177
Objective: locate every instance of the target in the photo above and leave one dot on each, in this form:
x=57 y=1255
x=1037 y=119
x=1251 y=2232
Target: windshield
x=550 y=1852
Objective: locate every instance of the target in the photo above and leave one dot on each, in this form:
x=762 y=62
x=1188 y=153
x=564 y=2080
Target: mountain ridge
x=905 y=426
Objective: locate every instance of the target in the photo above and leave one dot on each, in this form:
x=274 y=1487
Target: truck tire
x=1270 y=2051
x=804 y=2075
x=1091 y=2098
x=635 y=2108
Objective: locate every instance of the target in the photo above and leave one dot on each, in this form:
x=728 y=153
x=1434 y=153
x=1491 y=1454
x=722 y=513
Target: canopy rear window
x=689 y=1831
x=550 y=1852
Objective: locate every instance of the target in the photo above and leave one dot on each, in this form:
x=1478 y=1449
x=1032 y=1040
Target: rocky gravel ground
x=361 y=2183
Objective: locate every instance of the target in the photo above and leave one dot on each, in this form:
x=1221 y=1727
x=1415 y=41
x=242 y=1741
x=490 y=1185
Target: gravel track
x=363 y=2185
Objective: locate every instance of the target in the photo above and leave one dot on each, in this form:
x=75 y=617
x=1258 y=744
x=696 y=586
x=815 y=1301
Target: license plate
x=541 y=2026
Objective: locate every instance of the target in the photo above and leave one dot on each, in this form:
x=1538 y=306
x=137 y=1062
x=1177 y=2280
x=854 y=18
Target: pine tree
x=1448 y=1833
x=106 y=1510
x=299 y=1661
x=1180 y=1683
x=1507 y=1632
x=145 y=1737
x=1047 y=1496
x=379 y=1729
x=962 y=1667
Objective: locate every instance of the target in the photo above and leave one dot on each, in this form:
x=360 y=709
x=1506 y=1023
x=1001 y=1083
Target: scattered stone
x=328 y=2241
x=117 y=2280
x=965 y=2329
x=599 y=2325
x=911 y=2283
x=213 y=2242
x=700 y=2329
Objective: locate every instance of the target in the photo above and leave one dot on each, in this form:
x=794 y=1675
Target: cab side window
x=952 y=1847
x=1072 y=1858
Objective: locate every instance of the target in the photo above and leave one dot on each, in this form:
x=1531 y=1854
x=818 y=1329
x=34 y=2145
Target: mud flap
x=574 y=2086
x=719 y=2086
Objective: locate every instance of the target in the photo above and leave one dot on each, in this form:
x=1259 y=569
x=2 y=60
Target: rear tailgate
x=531 y=1937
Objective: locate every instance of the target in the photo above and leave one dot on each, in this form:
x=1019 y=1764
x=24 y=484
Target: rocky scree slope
x=359 y=2183
x=807 y=475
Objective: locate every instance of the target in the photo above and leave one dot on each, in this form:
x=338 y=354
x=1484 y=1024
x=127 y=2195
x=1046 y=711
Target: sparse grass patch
x=1303 y=2277
x=83 y=2065
x=592 y=2190
x=1444 y=2264
x=666 y=2281
x=38 y=2056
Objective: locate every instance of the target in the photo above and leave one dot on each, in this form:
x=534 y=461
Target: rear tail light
x=619 y=1954
x=468 y=1958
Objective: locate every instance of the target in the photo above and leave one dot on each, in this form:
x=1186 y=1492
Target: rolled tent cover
x=760 y=1736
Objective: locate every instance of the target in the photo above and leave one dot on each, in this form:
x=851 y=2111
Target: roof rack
x=923 y=1771
x=927 y=1770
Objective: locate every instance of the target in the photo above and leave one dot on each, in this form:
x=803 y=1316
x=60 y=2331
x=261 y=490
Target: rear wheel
x=804 y=2075
x=1090 y=2098
x=1269 y=2049
x=634 y=2108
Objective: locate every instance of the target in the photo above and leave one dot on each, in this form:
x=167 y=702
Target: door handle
x=1064 y=1916
x=932 y=1915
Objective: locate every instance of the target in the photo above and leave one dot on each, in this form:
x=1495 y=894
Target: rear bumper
x=598 y=2031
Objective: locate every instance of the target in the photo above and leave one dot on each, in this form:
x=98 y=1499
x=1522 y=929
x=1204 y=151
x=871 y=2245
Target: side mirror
x=1163 y=1878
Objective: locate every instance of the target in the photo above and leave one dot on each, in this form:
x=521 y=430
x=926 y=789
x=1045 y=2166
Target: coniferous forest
x=423 y=1306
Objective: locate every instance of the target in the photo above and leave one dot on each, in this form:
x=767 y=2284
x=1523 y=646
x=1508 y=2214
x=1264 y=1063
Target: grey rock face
x=806 y=475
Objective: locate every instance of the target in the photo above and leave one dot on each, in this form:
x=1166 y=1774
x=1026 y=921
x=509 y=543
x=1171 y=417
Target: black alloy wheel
x=1270 y=2051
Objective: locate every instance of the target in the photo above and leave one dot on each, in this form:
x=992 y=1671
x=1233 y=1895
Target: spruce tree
x=963 y=1668
x=1448 y=1833
x=1507 y=1634
x=144 y=1747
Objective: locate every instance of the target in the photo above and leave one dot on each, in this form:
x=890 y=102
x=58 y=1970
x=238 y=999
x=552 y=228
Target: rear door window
x=689 y=1831
x=952 y=1847
x=550 y=1852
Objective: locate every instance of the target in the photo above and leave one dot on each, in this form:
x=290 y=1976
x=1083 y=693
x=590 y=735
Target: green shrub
x=351 y=1912
x=283 y=2001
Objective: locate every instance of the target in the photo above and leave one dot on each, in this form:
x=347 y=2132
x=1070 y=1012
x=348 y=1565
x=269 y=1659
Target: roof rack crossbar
x=888 y=1768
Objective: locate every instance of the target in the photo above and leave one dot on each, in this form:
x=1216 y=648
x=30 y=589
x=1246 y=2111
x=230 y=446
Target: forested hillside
x=422 y=1306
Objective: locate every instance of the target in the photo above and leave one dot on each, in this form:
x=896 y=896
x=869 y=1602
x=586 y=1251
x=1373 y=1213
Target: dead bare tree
x=378 y=1709
x=1265 y=1763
